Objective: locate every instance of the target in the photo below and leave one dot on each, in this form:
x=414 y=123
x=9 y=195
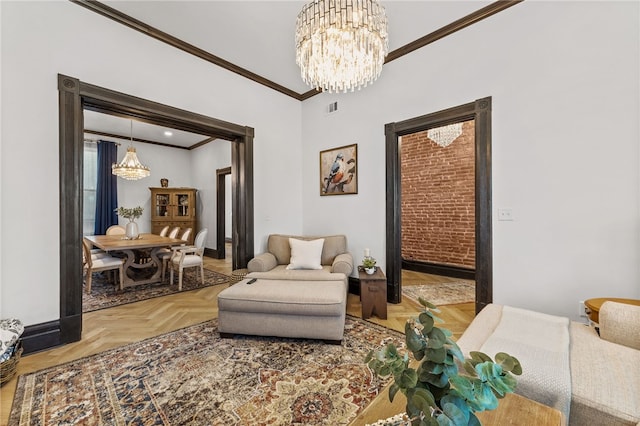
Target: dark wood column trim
x=71 y=178
x=242 y=184
x=480 y=111
x=484 y=241
x=221 y=193
x=393 y=209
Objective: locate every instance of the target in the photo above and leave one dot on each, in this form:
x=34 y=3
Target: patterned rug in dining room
x=193 y=376
x=442 y=293
x=105 y=294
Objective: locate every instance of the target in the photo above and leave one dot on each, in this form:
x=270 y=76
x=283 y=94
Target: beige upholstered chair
x=93 y=264
x=188 y=257
x=116 y=230
x=620 y=323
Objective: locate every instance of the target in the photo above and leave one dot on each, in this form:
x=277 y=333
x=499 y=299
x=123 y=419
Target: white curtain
x=89 y=187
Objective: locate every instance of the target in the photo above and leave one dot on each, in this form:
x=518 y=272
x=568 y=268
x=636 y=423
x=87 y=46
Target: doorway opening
x=75 y=96
x=224 y=215
x=438 y=214
x=479 y=112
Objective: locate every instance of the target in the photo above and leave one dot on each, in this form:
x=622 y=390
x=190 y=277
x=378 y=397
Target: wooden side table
x=513 y=410
x=373 y=293
x=592 y=306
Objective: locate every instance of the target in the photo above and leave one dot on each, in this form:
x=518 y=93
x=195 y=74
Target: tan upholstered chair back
x=278 y=245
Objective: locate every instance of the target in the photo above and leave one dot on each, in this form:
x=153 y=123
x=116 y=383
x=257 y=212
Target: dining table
x=130 y=247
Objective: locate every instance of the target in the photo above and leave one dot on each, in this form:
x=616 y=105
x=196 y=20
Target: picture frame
x=338 y=170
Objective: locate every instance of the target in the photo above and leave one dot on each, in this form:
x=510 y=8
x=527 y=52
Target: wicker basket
x=238 y=275
x=9 y=368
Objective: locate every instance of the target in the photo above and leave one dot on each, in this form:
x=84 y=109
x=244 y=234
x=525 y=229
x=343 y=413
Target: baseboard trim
x=211 y=252
x=354 y=285
x=437 y=269
x=39 y=337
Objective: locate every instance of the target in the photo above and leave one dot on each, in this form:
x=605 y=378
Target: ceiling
x=258 y=36
x=110 y=127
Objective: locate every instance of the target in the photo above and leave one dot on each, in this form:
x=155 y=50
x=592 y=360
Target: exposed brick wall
x=438 y=199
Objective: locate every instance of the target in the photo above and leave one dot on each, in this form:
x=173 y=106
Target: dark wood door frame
x=221 y=214
x=74 y=96
x=480 y=112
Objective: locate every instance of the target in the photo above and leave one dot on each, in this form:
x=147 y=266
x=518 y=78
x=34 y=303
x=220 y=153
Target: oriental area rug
x=441 y=293
x=105 y=294
x=194 y=377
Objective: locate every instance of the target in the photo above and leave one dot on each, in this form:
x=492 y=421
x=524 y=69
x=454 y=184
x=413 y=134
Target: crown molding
x=124 y=19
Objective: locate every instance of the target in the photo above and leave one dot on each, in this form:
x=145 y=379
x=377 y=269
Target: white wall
x=228 y=208
x=206 y=160
x=42 y=39
x=564 y=80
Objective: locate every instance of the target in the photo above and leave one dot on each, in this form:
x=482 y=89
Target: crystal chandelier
x=445 y=135
x=341 y=44
x=130 y=167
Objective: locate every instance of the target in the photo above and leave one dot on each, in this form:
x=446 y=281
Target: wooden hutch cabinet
x=173 y=207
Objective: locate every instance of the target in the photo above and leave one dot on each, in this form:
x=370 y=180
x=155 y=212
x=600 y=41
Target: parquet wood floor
x=118 y=326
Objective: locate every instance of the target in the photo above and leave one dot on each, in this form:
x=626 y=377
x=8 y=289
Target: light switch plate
x=505 y=214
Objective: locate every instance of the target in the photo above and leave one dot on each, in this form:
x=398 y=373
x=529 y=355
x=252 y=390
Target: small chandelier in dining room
x=445 y=135
x=130 y=167
x=341 y=45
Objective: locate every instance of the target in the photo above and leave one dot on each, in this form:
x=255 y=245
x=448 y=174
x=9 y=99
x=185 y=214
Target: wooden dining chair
x=174 y=232
x=144 y=255
x=186 y=234
x=188 y=257
x=93 y=264
x=112 y=230
x=116 y=230
x=165 y=254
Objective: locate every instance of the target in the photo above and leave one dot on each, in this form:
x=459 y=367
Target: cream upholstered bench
x=301 y=303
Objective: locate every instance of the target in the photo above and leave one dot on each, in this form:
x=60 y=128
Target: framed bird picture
x=338 y=170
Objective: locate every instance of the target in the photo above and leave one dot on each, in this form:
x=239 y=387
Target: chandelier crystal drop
x=445 y=135
x=130 y=167
x=341 y=45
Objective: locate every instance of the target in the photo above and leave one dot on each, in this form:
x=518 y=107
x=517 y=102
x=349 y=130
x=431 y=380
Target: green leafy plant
x=129 y=213
x=436 y=393
x=368 y=262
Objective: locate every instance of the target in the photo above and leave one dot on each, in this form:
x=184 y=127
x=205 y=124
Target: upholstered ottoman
x=285 y=308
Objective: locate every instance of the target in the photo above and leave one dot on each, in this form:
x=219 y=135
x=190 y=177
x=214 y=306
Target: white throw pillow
x=305 y=254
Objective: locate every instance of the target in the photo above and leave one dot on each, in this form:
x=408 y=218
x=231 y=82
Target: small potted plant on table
x=369 y=265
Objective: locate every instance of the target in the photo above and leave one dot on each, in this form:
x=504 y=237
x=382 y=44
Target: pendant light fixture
x=130 y=167
x=341 y=45
x=445 y=135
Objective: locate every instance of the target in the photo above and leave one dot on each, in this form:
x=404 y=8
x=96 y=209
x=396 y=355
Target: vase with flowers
x=132 y=214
